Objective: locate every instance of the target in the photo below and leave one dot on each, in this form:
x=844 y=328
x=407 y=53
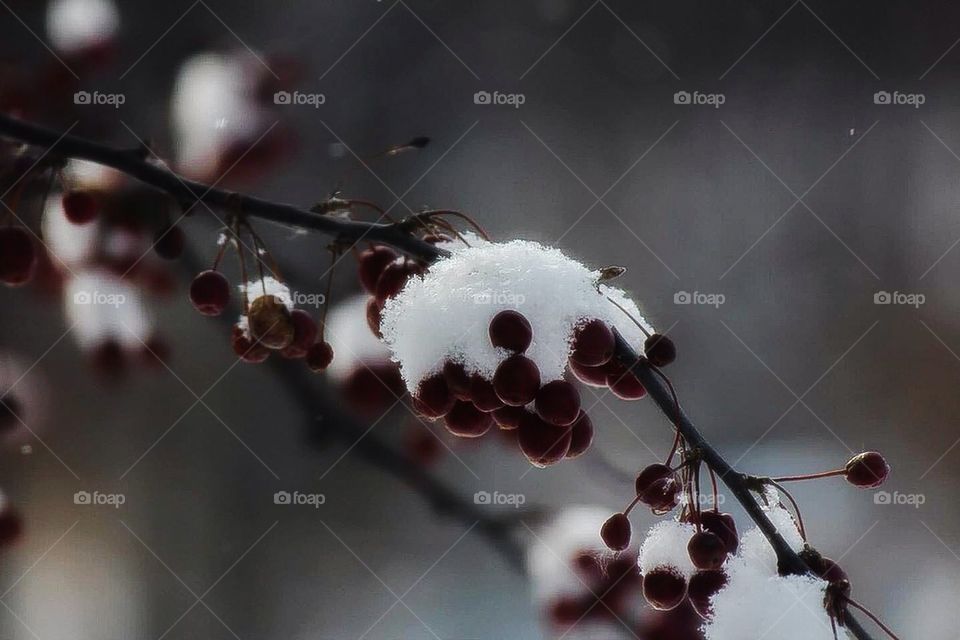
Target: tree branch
x=189 y=192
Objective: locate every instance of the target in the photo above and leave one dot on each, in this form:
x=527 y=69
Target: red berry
x=304 y=334
x=372 y=262
x=558 y=402
x=517 y=380
x=79 y=207
x=867 y=470
x=508 y=418
x=662 y=495
x=423 y=446
x=10 y=409
x=373 y=387
x=246 y=349
x=581 y=435
x=210 y=293
x=543 y=444
x=829 y=570
x=650 y=474
x=664 y=588
x=566 y=611
x=593 y=343
x=723 y=525
x=483 y=394
x=510 y=330
x=18 y=256
x=703 y=586
x=109 y=359
x=433 y=398
x=466 y=421
x=458 y=380
x=590 y=376
x=374 y=309
x=659 y=350
x=616 y=531
x=392 y=281
x=11 y=527
x=169 y=243
x=319 y=356
x=707 y=550
x=624 y=384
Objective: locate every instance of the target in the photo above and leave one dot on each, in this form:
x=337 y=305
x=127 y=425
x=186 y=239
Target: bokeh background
x=797 y=200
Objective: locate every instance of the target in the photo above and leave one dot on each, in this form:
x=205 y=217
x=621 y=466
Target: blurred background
x=781 y=166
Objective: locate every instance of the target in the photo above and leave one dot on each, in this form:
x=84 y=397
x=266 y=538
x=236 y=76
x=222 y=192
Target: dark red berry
x=707 y=550
x=568 y=610
x=650 y=474
x=483 y=394
x=423 y=446
x=169 y=243
x=581 y=435
x=590 y=376
x=703 y=586
x=517 y=381
x=210 y=293
x=867 y=470
x=662 y=495
x=11 y=527
x=830 y=571
x=371 y=388
x=372 y=262
x=392 y=281
x=458 y=380
x=319 y=356
x=374 y=309
x=616 y=531
x=155 y=352
x=543 y=444
x=10 y=410
x=247 y=349
x=466 y=421
x=593 y=343
x=723 y=525
x=664 y=588
x=433 y=398
x=624 y=384
x=109 y=359
x=659 y=350
x=558 y=402
x=79 y=207
x=510 y=330
x=304 y=334
x=508 y=418
x=18 y=256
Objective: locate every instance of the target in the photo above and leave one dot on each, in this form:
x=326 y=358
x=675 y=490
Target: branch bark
x=188 y=193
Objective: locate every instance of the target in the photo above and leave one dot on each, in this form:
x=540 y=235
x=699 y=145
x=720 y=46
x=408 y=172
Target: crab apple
x=581 y=435
x=867 y=470
x=567 y=611
x=374 y=317
x=659 y=350
x=616 y=531
x=423 y=446
x=558 y=402
x=10 y=409
x=517 y=381
x=624 y=384
x=511 y=331
x=79 y=207
x=246 y=349
x=372 y=262
x=829 y=570
x=210 y=292
x=433 y=398
x=590 y=376
x=543 y=444
x=372 y=388
x=483 y=394
x=508 y=418
x=662 y=495
x=593 y=343
x=664 y=588
x=707 y=550
x=169 y=243
x=392 y=280
x=703 y=586
x=723 y=525
x=458 y=380
x=270 y=322
x=11 y=526
x=18 y=256
x=650 y=474
x=466 y=421
x=304 y=334
x=319 y=356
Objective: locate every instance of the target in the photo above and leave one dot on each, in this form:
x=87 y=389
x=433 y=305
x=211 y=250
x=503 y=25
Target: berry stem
x=796 y=508
x=810 y=476
x=627 y=313
x=872 y=616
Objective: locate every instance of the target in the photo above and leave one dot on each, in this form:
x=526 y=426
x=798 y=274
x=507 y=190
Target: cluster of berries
x=383 y=273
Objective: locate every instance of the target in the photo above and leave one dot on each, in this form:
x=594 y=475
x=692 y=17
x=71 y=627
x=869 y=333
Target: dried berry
x=270 y=322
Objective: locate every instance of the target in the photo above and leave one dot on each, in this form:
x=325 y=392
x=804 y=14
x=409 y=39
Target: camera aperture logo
x=496 y=98
x=699 y=99
x=900 y=298
x=515 y=500
x=697 y=297
x=97 y=499
x=99 y=298
x=898 y=98
x=86 y=98
x=299 y=499
x=915 y=500
x=298 y=99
